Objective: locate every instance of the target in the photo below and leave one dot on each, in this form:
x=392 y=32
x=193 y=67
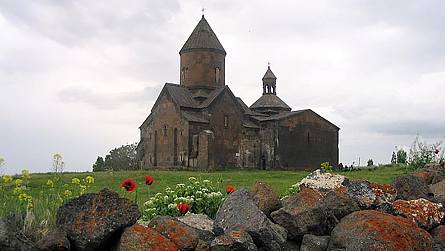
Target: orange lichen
x=421 y=211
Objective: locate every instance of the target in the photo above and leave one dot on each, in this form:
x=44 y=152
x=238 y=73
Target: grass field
x=45 y=205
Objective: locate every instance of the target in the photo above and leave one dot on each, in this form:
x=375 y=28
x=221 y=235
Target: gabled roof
x=212 y=96
x=270 y=101
x=180 y=95
x=269 y=74
x=202 y=37
x=247 y=109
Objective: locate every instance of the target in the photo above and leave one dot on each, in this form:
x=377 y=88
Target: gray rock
x=411 y=187
x=93 y=219
x=201 y=223
x=55 y=240
x=240 y=212
x=11 y=236
x=268 y=201
x=304 y=213
x=438 y=235
x=314 y=243
x=339 y=204
x=233 y=240
x=438 y=190
x=362 y=192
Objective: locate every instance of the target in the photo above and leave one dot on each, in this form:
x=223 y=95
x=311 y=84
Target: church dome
x=270 y=101
x=202 y=37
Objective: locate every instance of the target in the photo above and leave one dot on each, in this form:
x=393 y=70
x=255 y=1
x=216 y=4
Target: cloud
x=108 y=100
x=85 y=73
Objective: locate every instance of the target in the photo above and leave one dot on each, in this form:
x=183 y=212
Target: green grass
x=45 y=202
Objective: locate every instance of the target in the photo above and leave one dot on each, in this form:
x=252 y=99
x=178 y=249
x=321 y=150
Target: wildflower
x=89 y=179
x=191 y=179
x=206 y=181
x=149 y=180
x=129 y=184
x=82 y=189
x=436 y=151
x=75 y=181
x=17 y=190
x=183 y=208
x=23 y=196
x=171 y=206
x=18 y=182
x=50 y=183
x=67 y=193
x=230 y=189
x=7 y=179
x=25 y=174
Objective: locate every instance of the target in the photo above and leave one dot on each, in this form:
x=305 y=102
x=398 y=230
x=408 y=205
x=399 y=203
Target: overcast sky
x=79 y=77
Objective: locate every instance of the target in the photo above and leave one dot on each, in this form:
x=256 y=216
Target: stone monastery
x=201 y=124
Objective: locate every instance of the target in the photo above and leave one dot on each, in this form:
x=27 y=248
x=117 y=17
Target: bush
x=401 y=156
x=202 y=196
x=120 y=158
x=370 y=162
x=326 y=167
x=422 y=153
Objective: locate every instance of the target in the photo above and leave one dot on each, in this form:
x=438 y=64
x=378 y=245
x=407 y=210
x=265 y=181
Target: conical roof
x=269 y=74
x=202 y=37
x=270 y=101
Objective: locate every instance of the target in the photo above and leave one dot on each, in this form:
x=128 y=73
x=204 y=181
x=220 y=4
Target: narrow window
x=226 y=121
x=308 y=138
x=165 y=130
x=149 y=136
x=217 y=75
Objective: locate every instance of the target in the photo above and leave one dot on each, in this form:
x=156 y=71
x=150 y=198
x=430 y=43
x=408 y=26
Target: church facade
x=201 y=124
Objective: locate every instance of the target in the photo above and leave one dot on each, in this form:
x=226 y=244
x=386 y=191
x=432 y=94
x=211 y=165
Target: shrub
x=370 y=162
x=422 y=153
x=326 y=167
x=201 y=196
x=401 y=156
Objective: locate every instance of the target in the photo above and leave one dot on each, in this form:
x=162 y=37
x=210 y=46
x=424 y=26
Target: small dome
x=270 y=102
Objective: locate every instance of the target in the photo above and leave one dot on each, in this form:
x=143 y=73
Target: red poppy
x=436 y=151
x=129 y=184
x=230 y=189
x=149 y=180
x=183 y=208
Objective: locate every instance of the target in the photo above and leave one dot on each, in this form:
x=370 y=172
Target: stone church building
x=201 y=124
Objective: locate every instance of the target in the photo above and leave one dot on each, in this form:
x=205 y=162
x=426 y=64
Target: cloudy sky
x=79 y=77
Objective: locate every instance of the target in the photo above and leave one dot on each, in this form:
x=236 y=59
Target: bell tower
x=202 y=59
x=269 y=82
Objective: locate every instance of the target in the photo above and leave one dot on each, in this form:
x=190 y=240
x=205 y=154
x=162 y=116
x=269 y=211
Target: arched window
x=165 y=130
x=217 y=75
x=308 y=138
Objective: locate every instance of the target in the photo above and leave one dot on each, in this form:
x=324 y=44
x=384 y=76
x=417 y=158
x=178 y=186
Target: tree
x=393 y=158
x=99 y=165
x=120 y=158
x=401 y=156
x=370 y=162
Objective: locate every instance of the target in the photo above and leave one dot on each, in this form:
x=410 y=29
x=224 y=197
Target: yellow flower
x=7 y=179
x=89 y=179
x=67 y=193
x=25 y=174
x=23 y=196
x=17 y=190
x=50 y=183
x=83 y=188
x=75 y=181
x=18 y=182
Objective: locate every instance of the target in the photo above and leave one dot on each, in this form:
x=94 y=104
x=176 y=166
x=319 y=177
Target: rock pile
x=330 y=212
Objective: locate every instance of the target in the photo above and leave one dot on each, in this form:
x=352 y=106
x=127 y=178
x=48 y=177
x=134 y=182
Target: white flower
x=180 y=185
x=172 y=206
x=206 y=181
x=192 y=179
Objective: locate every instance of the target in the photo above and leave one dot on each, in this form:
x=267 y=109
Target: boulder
x=438 y=190
x=434 y=166
x=268 y=200
x=303 y=214
x=410 y=187
x=11 y=236
x=339 y=204
x=185 y=237
x=374 y=230
x=384 y=193
x=429 y=176
x=139 y=237
x=424 y=213
x=92 y=219
x=438 y=235
x=314 y=243
x=362 y=192
x=202 y=224
x=56 y=240
x=240 y=212
x=323 y=181
x=233 y=240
